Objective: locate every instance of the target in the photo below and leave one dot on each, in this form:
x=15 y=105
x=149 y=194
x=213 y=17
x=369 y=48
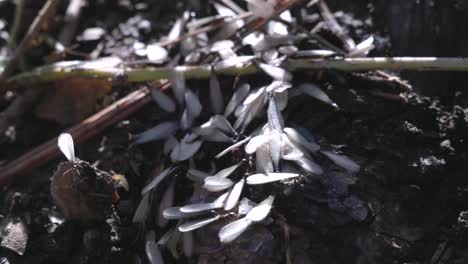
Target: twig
x=81 y=132
x=54 y=73
x=16 y=24
x=44 y=14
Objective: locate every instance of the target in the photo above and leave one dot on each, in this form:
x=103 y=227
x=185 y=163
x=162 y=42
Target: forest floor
x=407 y=204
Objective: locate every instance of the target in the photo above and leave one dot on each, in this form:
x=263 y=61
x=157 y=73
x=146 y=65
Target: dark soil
x=408 y=204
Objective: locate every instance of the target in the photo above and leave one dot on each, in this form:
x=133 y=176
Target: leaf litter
x=251 y=136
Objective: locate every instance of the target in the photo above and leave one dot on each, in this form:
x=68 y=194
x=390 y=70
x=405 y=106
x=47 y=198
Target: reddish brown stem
x=81 y=132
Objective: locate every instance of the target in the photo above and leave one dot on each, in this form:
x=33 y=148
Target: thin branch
x=16 y=24
x=54 y=73
x=45 y=13
x=81 y=132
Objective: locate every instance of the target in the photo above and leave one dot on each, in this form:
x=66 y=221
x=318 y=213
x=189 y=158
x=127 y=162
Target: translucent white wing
x=171 y=213
x=271 y=177
x=163 y=100
x=221 y=199
x=262 y=8
x=193 y=103
x=199 y=207
x=239 y=95
x=234 y=146
x=157 y=179
x=365 y=43
x=176 y=30
x=245 y=205
x=271 y=41
x=362 y=48
x=142 y=210
x=255 y=143
x=281 y=99
x=161 y=131
x=233 y=61
x=166 y=237
x=216 y=184
x=196 y=175
x=254 y=95
x=314 y=91
x=217 y=136
x=278 y=87
x=221 y=45
x=258 y=178
x=234 y=195
x=275 y=119
x=261 y=211
x=275 y=143
x=192 y=225
x=309 y=165
x=186 y=120
x=185 y=151
x=174 y=241
x=205 y=129
x=223 y=124
x=263 y=161
x=300 y=140
x=188 y=244
x=289 y=150
x=233 y=230
x=343 y=161
x=178 y=86
x=167 y=200
x=216 y=96
x=65 y=144
x=314 y=53
x=289 y=50
x=227 y=171
x=169 y=145
x=152 y=250
x=276 y=73
x=156 y=53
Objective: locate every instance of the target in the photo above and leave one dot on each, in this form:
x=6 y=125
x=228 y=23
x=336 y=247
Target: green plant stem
x=54 y=73
x=16 y=24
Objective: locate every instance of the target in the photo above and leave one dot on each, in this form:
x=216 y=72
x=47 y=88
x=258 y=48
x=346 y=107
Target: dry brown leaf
x=72 y=100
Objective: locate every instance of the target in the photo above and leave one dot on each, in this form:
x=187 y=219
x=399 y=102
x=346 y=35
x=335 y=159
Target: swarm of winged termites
x=279 y=154
x=274 y=152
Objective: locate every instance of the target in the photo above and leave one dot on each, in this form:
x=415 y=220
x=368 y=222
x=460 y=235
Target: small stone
x=15 y=236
